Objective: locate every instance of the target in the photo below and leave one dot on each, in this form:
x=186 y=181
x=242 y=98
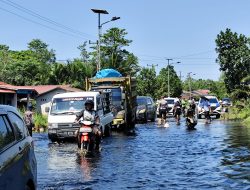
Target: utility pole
x=168 y=77
x=181 y=75
x=190 y=90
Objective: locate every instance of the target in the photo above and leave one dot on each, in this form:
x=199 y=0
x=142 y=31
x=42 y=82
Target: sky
x=181 y=30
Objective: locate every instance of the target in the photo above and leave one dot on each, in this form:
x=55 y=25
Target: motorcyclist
x=177 y=111
x=89 y=114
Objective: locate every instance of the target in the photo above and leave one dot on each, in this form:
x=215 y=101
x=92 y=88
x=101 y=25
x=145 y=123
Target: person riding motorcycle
x=177 y=111
x=89 y=114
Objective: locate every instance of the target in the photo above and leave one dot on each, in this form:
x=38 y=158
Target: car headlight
x=142 y=111
x=52 y=125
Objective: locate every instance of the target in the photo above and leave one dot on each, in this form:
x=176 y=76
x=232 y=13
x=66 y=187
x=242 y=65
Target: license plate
x=52 y=131
x=85 y=129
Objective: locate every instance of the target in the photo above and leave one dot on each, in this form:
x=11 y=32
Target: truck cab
x=63 y=110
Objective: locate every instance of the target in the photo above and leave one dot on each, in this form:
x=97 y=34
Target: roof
x=40 y=89
x=7 y=91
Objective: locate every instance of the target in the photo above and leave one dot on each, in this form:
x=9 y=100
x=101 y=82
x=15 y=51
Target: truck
x=123 y=99
x=64 y=107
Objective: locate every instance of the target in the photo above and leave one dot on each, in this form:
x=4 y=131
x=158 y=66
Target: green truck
x=122 y=99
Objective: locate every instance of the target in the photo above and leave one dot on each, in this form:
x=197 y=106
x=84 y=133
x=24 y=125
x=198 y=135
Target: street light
x=99 y=12
x=189 y=76
x=168 y=75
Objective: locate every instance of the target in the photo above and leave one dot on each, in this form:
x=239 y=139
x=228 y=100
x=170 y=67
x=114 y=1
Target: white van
x=63 y=110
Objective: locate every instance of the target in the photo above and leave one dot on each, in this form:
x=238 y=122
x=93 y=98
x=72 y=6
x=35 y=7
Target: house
x=11 y=95
x=46 y=92
x=195 y=94
x=42 y=94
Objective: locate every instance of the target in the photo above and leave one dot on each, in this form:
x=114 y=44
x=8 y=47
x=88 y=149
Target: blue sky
x=184 y=30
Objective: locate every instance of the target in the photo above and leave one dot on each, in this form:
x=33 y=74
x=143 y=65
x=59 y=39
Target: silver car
x=18 y=167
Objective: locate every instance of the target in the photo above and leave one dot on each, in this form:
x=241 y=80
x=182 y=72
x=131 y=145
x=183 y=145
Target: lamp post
x=99 y=12
x=168 y=75
x=189 y=76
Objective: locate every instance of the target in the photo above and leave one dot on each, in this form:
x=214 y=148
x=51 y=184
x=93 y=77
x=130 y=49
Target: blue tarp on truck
x=106 y=73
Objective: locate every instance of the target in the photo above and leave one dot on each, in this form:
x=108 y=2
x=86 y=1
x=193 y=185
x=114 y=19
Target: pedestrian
x=163 y=109
x=207 y=109
x=29 y=119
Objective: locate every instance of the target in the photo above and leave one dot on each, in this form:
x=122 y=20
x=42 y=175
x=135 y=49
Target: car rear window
x=141 y=101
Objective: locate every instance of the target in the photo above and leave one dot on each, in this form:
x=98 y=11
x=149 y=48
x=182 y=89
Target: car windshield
x=141 y=101
x=226 y=100
x=213 y=101
x=68 y=105
x=170 y=101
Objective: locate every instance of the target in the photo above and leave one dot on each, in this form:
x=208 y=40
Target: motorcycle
x=191 y=121
x=86 y=138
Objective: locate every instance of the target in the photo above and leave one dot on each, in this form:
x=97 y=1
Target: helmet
x=89 y=102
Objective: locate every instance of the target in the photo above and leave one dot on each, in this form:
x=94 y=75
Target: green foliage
x=40 y=120
x=113 y=54
x=146 y=82
x=240 y=110
x=233 y=57
x=174 y=83
x=41 y=52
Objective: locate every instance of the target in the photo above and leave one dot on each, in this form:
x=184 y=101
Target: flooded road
x=215 y=156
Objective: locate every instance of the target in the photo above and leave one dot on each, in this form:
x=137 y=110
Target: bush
x=40 y=121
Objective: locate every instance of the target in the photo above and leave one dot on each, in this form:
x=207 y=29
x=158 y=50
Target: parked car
x=226 y=102
x=214 y=104
x=146 y=109
x=18 y=167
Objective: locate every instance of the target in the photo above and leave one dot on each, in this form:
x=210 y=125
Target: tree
x=41 y=52
x=162 y=81
x=233 y=57
x=146 y=82
x=113 y=54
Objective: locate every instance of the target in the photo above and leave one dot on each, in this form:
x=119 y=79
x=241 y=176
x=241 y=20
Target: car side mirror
x=47 y=109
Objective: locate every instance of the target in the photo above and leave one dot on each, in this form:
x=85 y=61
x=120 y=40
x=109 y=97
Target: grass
x=240 y=111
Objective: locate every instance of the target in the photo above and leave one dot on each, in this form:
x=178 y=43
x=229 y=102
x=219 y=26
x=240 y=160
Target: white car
x=214 y=104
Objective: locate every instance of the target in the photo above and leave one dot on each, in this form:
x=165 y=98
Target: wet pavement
x=215 y=156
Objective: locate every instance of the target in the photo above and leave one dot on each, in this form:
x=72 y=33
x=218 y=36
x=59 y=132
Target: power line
x=27 y=19
x=32 y=13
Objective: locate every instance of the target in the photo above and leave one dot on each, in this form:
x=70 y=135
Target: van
x=63 y=110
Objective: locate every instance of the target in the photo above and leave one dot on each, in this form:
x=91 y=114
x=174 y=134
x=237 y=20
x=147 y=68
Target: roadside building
x=20 y=96
x=46 y=92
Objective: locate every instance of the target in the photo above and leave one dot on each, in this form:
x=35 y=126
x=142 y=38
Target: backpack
x=28 y=118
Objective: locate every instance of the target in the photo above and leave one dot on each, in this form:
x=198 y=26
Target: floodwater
x=215 y=156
